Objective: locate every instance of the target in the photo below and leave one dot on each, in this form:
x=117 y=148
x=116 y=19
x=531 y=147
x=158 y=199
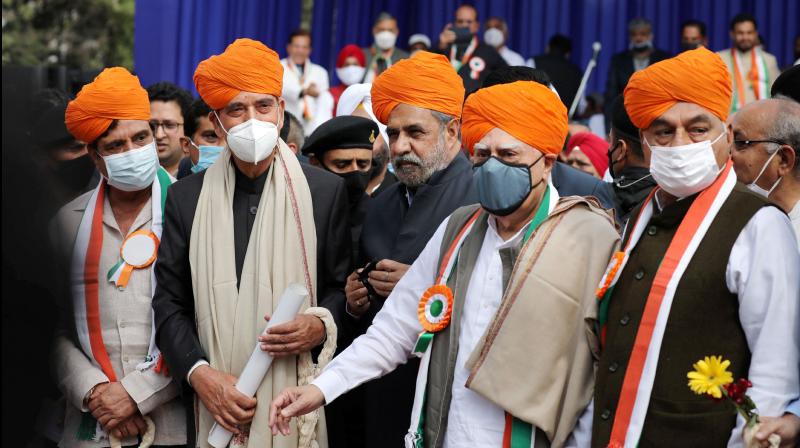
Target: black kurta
x=399 y=232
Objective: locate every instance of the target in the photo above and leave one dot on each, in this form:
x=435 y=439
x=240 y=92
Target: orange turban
x=527 y=110
x=246 y=65
x=114 y=94
x=697 y=76
x=424 y=80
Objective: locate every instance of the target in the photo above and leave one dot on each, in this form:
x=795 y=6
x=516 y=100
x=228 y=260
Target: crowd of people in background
x=446 y=164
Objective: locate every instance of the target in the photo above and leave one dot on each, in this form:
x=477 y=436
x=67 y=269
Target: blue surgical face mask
x=208 y=155
x=503 y=187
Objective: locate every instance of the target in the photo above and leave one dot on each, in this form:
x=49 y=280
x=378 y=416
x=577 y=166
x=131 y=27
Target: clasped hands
x=115 y=410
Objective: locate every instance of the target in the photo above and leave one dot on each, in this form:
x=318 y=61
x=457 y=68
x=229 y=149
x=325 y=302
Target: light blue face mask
x=208 y=155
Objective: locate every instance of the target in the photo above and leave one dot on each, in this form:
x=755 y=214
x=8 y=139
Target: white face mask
x=252 y=141
x=493 y=37
x=758 y=190
x=684 y=170
x=385 y=40
x=132 y=170
x=352 y=74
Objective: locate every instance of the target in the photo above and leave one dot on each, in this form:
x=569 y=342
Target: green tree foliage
x=75 y=33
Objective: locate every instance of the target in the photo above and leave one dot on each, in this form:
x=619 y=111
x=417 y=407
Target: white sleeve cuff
x=199 y=363
x=331 y=384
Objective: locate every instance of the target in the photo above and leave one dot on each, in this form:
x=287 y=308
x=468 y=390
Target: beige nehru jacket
x=126 y=320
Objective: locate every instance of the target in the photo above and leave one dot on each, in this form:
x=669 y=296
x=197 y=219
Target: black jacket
x=620 y=71
x=565 y=76
x=173 y=303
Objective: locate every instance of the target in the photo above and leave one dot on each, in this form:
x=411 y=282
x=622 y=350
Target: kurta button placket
x=625 y=319
x=652 y=230
x=613 y=367
x=253 y=210
x=606 y=414
x=639 y=275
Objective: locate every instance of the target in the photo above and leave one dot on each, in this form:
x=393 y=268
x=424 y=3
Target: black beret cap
x=788 y=84
x=345 y=132
x=620 y=120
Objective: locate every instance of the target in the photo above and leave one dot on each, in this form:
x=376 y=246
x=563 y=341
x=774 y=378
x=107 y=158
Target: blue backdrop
x=172 y=36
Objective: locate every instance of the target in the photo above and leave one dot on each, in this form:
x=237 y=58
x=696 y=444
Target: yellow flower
x=709 y=375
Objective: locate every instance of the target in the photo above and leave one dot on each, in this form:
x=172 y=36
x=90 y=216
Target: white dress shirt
x=472 y=420
x=321 y=107
x=510 y=56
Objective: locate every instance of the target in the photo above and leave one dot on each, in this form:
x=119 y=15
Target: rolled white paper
x=259 y=363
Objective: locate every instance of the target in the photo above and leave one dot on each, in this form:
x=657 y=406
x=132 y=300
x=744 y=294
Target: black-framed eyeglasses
x=741 y=145
x=169 y=126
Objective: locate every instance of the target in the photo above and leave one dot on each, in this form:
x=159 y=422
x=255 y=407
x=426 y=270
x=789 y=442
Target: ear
x=294 y=148
x=787 y=158
x=453 y=128
x=99 y=163
x=185 y=145
x=312 y=159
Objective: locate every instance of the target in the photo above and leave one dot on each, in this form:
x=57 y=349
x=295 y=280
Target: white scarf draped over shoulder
x=281 y=250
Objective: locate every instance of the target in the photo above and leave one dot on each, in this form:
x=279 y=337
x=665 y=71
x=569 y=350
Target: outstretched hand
x=290 y=403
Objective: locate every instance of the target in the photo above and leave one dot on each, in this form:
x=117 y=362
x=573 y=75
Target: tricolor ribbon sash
x=84 y=279
x=640 y=372
x=458 y=63
x=757 y=77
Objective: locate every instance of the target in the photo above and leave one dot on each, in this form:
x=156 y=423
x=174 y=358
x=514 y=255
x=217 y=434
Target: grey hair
x=296 y=133
x=383 y=16
x=785 y=127
x=443 y=120
x=639 y=22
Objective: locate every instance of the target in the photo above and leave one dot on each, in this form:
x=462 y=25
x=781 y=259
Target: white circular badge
x=139 y=249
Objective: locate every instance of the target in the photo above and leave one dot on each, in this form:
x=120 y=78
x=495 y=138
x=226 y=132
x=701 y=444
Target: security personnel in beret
x=343 y=146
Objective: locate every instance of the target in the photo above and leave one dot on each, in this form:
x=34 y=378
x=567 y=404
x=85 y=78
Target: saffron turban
x=424 y=80
x=697 y=76
x=527 y=110
x=595 y=148
x=246 y=65
x=114 y=94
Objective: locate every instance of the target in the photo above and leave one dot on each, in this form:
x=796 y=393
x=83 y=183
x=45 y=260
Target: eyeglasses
x=169 y=126
x=741 y=145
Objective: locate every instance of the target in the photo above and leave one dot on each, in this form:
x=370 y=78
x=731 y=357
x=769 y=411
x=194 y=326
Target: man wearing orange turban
x=110 y=367
x=419 y=99
x=509 y=248
x=707 y=269
x=236 y=236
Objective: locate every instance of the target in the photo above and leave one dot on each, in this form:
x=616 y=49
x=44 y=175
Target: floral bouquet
x=711 y=377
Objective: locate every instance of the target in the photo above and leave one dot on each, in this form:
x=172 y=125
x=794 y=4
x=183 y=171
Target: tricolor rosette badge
x=138 y=251
x=435 y=308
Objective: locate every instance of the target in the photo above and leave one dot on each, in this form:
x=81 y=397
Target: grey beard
x=418 y=175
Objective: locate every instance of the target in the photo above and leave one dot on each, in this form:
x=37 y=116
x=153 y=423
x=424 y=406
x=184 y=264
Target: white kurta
x=472 y=420
x=320 y=109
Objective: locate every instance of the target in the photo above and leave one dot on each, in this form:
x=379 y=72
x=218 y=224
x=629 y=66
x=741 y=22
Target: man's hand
x=110 y=404
x=311 y=90
x=788 y=427
x=218 y=393
x=447 y=37
x=357 y=295
x=130 y=427
x=386 y=275
x=292 y=402
x=297 y=336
